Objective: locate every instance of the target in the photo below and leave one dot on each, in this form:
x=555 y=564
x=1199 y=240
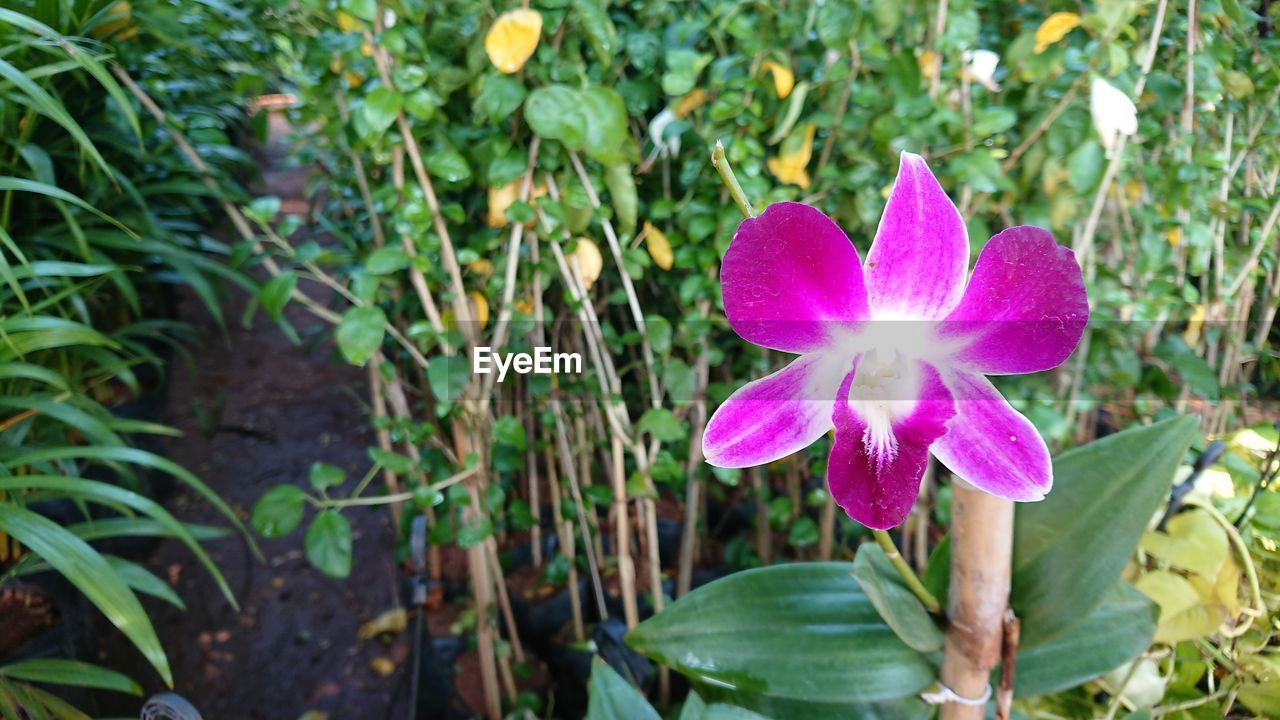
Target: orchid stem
x=908 y=575
x=721 y=164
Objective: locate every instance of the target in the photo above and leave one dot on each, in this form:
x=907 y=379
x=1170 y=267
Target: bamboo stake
x=564 y=529
x=981 y=554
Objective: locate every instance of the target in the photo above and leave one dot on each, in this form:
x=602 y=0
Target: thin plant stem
x=916 y=587
x=721 y=164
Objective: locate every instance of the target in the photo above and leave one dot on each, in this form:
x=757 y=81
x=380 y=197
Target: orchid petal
x=918 y=261
x=874 y=484
x=776 y=415
x=992 y=446
x=1025 y=308
x=791 y=277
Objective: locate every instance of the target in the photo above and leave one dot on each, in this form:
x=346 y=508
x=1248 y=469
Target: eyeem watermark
x=543 y=361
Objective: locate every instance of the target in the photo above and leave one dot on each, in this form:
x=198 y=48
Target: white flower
x=1114 y=114
x=982 y=67
x=388 y=18
x=658 y=128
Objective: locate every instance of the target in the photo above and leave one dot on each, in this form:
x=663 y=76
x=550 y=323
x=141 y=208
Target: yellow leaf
x=118 y=23
x=513 y=38
x=1132 y=192
x=1182 y=614
x=1054 y=28
x=1173 y=235
x=658 y=246
x=354 y=80
x=366 y=48
x=383 y=666
x=481 y=267
x=1195 y=542
x=335 y=64
x=348 y=22
x=590 y=262
x=479 y=308
x=524 y=305
x=928 y=62
x=783 y=78
x=389 y=622
x=500 y=198
x=790 y=166
x=1194 y=323
x=694 y=100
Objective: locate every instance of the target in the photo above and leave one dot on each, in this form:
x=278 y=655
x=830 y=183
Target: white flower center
x=883 y=390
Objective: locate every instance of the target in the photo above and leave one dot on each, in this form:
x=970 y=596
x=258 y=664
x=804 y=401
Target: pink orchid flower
x=894 y=353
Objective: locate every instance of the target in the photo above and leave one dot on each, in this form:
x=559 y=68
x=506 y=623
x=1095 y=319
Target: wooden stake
x=981 y=553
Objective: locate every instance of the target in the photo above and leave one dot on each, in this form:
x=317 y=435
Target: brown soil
x=256 y=411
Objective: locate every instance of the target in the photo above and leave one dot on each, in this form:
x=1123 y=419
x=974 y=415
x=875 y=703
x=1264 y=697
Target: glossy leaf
x=1115 y=632
x=278 y=512
x=328 y=544
x=801 y=632
x=58 y=671
x=1070 y=548
x=895 y=602
x=360 y=333
x=612 y=698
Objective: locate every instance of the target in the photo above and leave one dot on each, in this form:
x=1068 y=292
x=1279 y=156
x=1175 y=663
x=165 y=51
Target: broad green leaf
x=1070 y=548
x=509 y=431
x=594 y=16
x=448 y=165
x=386 y=260
x=695 y=709
x=278 y=511
x=555 y=113
x=275 y=293
x=607 y=134
x=662 y=424
x=360 y=333
x=83 y=567
x=500 y=96
x=447 y=376
x=58 y=671
x=612 y=698
x=897 y=605
x=328 y=544
x=381 y=107
x=801 y=632
x=1115 y=632
x=324 y=475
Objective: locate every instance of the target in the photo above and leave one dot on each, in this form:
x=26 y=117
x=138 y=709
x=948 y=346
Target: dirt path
x=255 y=411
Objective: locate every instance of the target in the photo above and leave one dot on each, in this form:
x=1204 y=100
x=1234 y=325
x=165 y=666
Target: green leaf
x=612 y=698
x=606 y=114
x=275 y=293
x=57 y=671
x=1115 y=632
x=381 y=107
x=447 y=376
x=509 y=431
x=683 y=68
x=555 y=113
x=500 y=96
x=695 y=709
x=328 y=544
x=324 y=475
x=800 y=632
x=622 y=196
x=360 y=333
x=1085 y=166
x=83 y=567
x=1070 y=548
x=386 y=260
x=594 y=16
x=897 y=605
x=448 y=165
x=278 y=511
x=395 y=462
x=662 y=424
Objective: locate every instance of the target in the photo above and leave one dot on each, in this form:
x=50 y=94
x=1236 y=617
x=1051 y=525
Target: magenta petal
x=990 y=445
x=1025 y=308
x=917 y=264
x=774 y=416
x=790 y=276
x=872 y=488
